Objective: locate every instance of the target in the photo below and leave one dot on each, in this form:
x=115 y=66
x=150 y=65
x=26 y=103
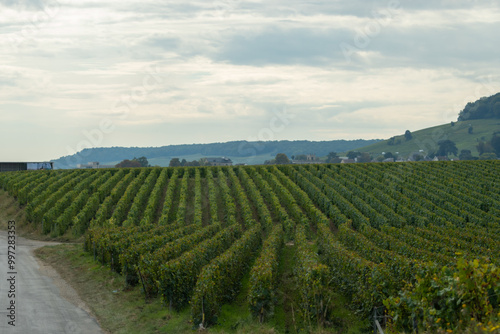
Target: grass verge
x=118 y=310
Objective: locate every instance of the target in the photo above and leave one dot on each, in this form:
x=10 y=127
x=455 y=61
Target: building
x=219 y=161
x=93 y=165
x=16 y=166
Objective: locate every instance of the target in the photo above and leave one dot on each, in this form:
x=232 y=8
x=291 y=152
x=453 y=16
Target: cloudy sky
x=100 y=73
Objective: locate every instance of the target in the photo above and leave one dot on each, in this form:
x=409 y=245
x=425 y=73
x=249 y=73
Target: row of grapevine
x=46 y=190
x=328 y=202
x=264 y=276
x=67 y=199
x=227 y=199
x=313 y=277
x=140 y=200
x=483 y=240
x=401 y=268
x=107 y=242
x=131 y=254
x=363 y=282
x=169 y=198
x=468 y=248
x=177 y=278
x=65 y=220
x=15 y=184
x=254 y=193
x=198 y=214
x=460 y=191
x=274 y=203
x=388 y=242
x=56 y=200
x=314 y=214
x=120 y=212
x=394 y=200
x=149 y=216
x=349 y=188
x=241 y=199
x=106 y=208
x=150 y=264
x=417 y=241
x=212 y=197
x=28 y=191
x=431 y=209
x=447 y=202
x=346 y=200
x=285 y=197
x=82 y=219
x=220 y=281
x=183 y=200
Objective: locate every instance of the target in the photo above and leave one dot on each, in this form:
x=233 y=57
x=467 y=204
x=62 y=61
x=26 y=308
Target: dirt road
x=36 y=297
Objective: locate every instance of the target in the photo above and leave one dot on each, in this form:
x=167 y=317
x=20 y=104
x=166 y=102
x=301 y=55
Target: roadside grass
x=10 y=210
x=117 y=308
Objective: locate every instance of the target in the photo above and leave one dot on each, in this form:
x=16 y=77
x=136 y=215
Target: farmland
x=191 y=236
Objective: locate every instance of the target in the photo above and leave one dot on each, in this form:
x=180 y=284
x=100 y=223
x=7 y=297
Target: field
x=294 y=245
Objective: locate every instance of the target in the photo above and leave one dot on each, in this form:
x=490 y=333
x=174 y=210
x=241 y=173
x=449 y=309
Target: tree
x=183 y=162
x=128 y=163
x=143 y=161
x=365 y=157
x=302 y=157
x=466 y=155
x=408 y=135
x=495 y=143
x=419 y=157
x=281 y=159
x=488 y=156
x=333 y=158
x=485 y=147
x=389 y=155
x=447 y=147
x=174 y=162
x=353 y=155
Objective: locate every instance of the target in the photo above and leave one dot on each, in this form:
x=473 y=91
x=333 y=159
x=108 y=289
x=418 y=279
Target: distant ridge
x=238 y=149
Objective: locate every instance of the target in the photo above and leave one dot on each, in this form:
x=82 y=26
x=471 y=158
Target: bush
x=450 y=299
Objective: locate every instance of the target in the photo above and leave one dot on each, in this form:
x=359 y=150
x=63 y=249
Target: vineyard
x=191 y=235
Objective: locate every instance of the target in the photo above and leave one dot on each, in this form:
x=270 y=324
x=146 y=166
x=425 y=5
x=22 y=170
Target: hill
x=484 y=108
x=477 y=122
x=427 y=139
x=238 y=151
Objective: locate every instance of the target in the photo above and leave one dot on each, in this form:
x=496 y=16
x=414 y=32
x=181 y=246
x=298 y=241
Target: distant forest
x=229 y=149
x=484 y=108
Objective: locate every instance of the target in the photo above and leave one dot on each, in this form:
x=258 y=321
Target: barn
x=16 y=166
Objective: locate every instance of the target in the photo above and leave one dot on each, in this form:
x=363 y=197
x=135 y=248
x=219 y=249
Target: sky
x=88 y=73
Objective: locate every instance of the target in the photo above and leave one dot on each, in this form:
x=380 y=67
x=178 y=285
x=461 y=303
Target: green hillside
x=427 y=139
x=248 y=152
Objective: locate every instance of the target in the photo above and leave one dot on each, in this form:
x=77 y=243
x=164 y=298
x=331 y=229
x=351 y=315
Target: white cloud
x=221 y=68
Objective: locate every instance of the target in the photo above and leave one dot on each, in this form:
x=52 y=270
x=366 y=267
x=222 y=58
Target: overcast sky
x=100 y=73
